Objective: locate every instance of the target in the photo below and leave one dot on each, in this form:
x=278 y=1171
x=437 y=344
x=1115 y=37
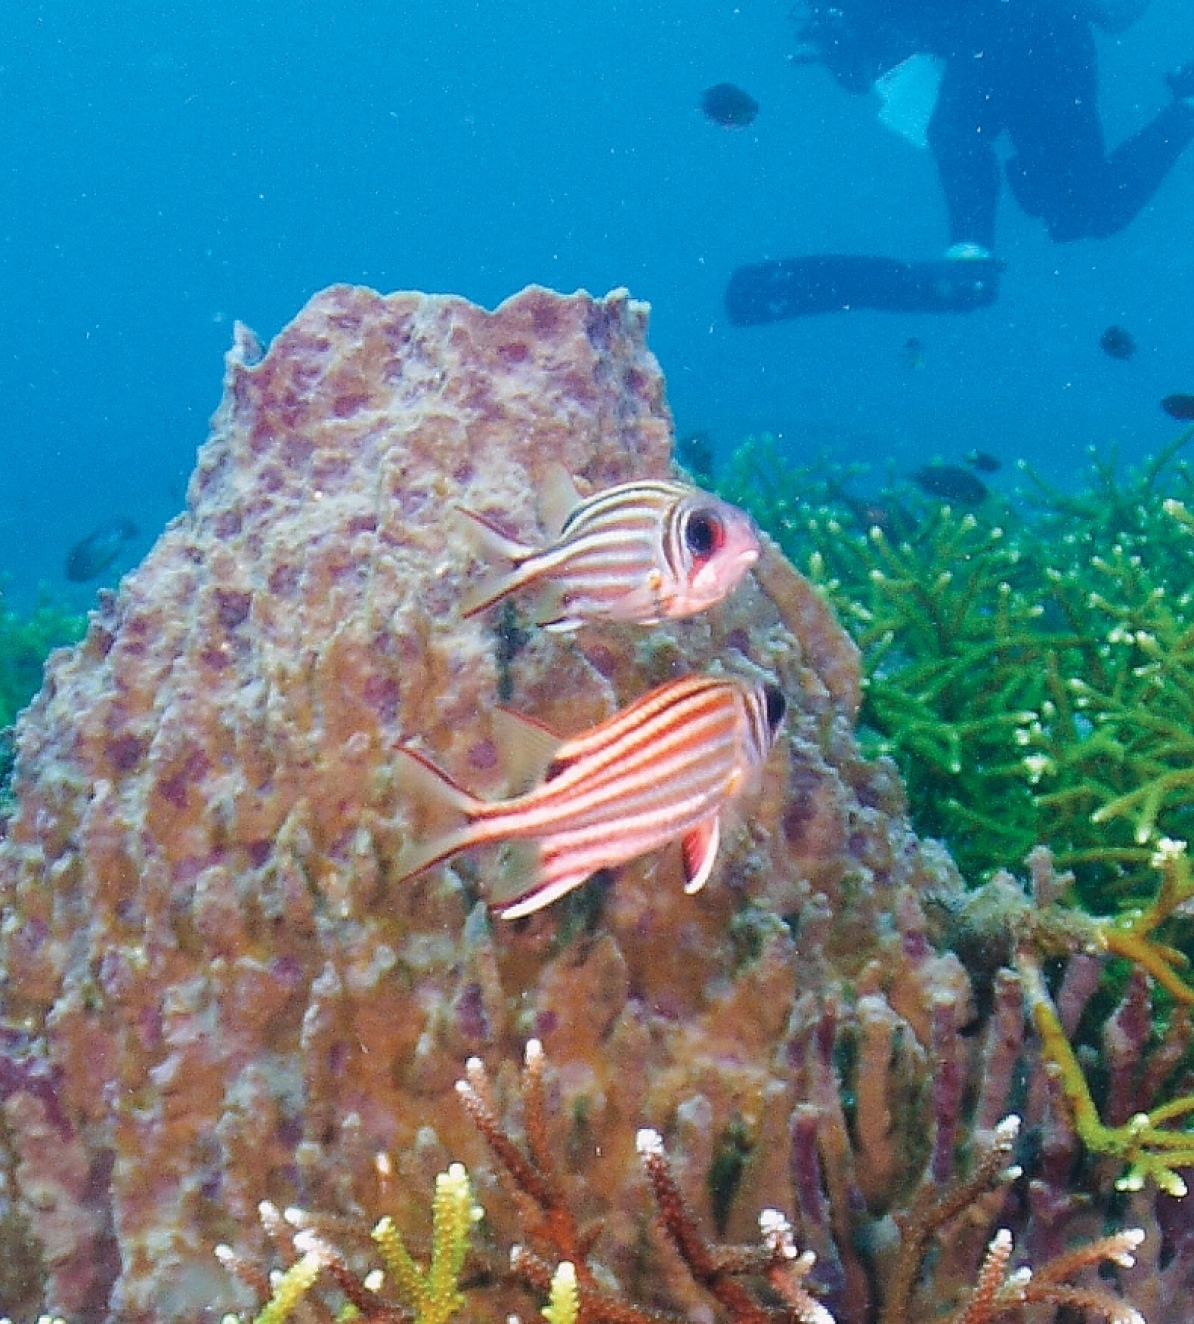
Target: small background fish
x=952 y=483
x=1117 y=342
x=1179 y=406
x=912 y=355
x=984 y=462
x=728 y=106
x=92 y=555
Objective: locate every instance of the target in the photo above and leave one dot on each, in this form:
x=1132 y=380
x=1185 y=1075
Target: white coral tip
x=534 y=1052
x=649 y=1143
x=1007 y=1130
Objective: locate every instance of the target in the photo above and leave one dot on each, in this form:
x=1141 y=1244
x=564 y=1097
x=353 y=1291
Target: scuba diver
x=975 y=70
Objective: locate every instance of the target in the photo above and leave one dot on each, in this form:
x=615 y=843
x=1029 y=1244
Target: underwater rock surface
x=212 y=995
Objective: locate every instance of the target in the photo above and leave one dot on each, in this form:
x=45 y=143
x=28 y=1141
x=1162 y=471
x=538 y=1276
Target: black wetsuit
x=1028 y=67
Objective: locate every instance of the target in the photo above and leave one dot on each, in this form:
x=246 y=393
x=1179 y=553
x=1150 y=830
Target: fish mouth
x=717 y=579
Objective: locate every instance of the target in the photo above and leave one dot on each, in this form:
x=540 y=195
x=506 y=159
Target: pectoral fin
x=699 y=850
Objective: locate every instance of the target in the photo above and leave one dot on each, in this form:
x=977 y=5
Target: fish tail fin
x=427 y=785
x=491 y=544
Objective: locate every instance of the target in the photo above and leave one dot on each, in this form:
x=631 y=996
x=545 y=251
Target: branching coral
x=578 y=1291
x=1032 y=672
x=424 y=1296
x=25 y=643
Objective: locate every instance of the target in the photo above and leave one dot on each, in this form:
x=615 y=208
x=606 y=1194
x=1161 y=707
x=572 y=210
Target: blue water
x=168 y=168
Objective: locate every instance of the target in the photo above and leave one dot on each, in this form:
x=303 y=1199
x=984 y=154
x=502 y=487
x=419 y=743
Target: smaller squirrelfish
x=662 y=769
x=645 y=551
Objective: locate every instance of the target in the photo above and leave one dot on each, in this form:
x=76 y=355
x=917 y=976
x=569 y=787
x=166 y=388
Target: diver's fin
x=558 y=499
x=527 y=748
x=699 y=852
x=422 y=783
x=842 y=282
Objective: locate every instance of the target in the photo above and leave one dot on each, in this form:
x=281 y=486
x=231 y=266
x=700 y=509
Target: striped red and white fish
x=644 y=551
x=663 y=769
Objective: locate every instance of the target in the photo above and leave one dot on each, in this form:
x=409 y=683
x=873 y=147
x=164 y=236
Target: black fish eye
x=704 y=533
x=777 y=705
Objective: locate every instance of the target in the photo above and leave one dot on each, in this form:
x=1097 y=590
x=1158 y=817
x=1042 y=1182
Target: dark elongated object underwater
x=839 y=282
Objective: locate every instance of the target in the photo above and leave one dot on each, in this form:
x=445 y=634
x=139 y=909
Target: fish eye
x=704 y=533
x=777 y=705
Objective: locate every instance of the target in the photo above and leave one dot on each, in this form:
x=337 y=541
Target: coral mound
x=211 y=993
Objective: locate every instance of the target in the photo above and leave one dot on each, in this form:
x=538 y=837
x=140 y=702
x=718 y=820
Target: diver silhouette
x=977 y=69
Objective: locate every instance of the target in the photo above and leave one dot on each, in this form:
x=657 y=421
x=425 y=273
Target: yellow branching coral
x=430 y=1296
x=563 y=1302
x=1147 y=1143
x=1129 y=934
x=434 y=1295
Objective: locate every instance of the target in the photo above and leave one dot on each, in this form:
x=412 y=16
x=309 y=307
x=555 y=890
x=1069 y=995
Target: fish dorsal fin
x=558 y=499
x=526 y=747
x=699 y=851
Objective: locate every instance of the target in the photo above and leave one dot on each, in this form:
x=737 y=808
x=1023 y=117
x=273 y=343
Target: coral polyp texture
x=216 y=994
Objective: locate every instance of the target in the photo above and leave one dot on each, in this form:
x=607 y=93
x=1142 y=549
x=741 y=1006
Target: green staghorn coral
x=1030 y=668
x=25 y=643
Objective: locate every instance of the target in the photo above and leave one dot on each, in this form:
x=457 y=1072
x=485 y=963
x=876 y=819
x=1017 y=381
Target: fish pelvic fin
x=491 y=544
x=524 y=887
x=699 y=852
x=426 y=785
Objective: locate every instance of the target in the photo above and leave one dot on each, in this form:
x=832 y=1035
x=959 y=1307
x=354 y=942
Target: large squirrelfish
x=644 y=551
x=662 y=769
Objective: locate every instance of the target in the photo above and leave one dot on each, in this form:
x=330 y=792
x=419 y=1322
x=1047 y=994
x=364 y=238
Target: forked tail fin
x=426 y=785
x=490 y=543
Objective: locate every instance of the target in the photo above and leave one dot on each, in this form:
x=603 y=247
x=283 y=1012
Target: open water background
x=168 y=168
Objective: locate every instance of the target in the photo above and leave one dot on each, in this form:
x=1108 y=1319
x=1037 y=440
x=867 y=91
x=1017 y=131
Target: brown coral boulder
x=212 y=992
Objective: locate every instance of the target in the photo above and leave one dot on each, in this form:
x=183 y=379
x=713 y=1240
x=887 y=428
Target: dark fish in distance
x=951 y=483
x=1117 y=342
x=984 y=462
x=729 y=106
x=92 y=555
x=1179 y=406
x=913 y=354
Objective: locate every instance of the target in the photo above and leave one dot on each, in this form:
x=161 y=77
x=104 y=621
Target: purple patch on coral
x=470 y=1014
x=232 y=607
x=258 y=852
x=124 y=752
x=383 y=694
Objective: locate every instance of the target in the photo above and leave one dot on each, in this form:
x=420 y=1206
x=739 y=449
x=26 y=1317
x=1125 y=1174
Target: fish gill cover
x=215 y=995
